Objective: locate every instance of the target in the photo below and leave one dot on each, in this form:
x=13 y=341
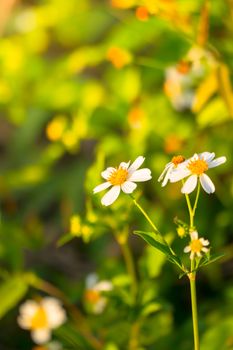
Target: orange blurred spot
x=92 y=296
x=39 y=348
x=136 y=116
x=122 y=4
x=183 y=67
x=142 y=13
x=173 y=144
x=118 y=57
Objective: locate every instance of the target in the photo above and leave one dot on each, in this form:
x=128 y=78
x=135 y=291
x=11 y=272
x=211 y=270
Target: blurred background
x=86 y=84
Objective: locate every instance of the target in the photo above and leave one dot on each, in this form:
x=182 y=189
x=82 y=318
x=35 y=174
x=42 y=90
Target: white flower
x=196 y=246
x=122 y=178
x=41 y=317
x=169 y=167
x=195 y=169
x=93 y=294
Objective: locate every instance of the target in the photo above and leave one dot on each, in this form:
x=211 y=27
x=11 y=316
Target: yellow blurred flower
x=56 y=128
x=80 y=229
x=122 y=4
x=118 y=57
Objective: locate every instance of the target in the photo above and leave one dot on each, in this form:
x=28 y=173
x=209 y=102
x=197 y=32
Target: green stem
x=197 y=197
x=130 y=266
x=145 y=214
x=192 y=279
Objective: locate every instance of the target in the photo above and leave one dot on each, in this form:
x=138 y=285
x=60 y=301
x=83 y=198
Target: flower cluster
x=194 y=169
x=41 y=317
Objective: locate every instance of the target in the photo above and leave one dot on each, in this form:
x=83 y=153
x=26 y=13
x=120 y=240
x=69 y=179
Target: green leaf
x=210 y=259
x=12 y=291
x=157 y=241
x=67 y=237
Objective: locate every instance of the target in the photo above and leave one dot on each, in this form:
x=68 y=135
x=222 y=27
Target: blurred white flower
x=169 y=167
x=196 y=246
x=41 y=317
x=122 y=178
x=94 y=293
x=195 y=169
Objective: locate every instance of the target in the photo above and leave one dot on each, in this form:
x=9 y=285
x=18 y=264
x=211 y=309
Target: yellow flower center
x=39 y=320
x=118 y=176
x=177 y=160
x=196 y=246
x=198 y=166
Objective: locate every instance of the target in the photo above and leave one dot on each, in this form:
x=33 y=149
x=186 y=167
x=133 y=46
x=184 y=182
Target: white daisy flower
x=196 y=246
x=41 y=317
x=195 y=169
x=122 y=178
x=169 y=167
x=94 y=293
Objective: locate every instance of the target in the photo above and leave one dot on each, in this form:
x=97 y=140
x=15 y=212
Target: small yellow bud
x=75 y=225
x=181 y=231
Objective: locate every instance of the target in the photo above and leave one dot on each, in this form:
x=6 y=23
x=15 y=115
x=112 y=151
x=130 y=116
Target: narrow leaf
x=157 y=241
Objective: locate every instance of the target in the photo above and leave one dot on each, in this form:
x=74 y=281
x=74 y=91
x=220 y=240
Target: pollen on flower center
x=196 y=246
x=177 y=160
x=198 y=166
x=118 y=177
x=39 y=320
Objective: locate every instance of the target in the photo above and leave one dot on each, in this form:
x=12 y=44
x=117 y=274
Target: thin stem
x=197 y=197
x=192 y=279
x=190 y=209
x=145 y=214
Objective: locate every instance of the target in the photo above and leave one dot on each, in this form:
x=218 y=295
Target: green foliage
x=85 y=85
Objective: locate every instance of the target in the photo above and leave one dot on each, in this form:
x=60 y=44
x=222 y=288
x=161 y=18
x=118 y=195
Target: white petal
x=128 y=186
x=190 y=184
x=41 y=336
x=168 y=165
x=208 y=156
x=204 y=249
x=106 y=173
x=187 y=249
x=199 y=254
x=167 y=176
x=29 y=308
x=194 y=235
x=24 y=322
x=207 y=184
x=111 y=195
x=192 y=255
x=141 y=175
x=102 y=187
x=55 y=313
x=124 y=165
x=179 y=174
x=103 y=286
x=136 y=164
x=204 y=242
x=216 y=162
